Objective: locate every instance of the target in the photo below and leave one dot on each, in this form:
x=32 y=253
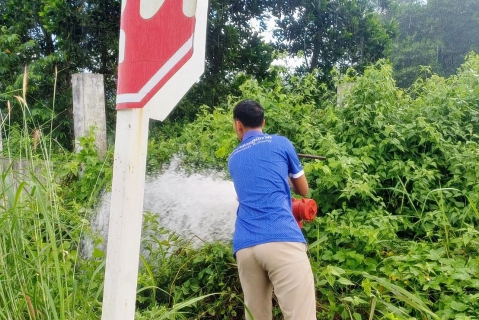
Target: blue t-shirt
x=260 y=166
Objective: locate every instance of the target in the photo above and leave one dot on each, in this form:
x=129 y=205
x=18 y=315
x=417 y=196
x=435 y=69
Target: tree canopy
x=49 y=35
x=332 y=34
x=436 y=33
x=82 y=36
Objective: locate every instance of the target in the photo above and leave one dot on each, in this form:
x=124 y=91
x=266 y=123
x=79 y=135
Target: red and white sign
x=156 y=40
x=162 y=54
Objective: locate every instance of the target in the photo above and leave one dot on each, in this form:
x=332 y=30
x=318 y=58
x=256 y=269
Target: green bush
x=176 y=270
x=396 y=236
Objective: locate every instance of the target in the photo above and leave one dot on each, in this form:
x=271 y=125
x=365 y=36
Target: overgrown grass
x=42 y=275
x=47 y=197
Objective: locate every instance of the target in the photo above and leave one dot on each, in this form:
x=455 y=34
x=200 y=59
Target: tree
x=330 y=34
x=68 y=36
x=457 y=23
x=437 y=34
x=234 y=50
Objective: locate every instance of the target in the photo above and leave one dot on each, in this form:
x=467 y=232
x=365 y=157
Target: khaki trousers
x=284 y=267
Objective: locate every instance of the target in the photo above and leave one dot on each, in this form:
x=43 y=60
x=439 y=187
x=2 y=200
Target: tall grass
x=44 y=207
x=39 y=239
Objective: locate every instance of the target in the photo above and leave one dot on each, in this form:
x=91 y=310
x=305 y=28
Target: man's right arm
x=299 y=185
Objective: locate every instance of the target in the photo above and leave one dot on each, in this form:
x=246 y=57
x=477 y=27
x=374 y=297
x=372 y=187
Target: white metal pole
x=126 y=211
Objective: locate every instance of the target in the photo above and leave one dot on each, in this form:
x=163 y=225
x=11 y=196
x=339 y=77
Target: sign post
x=162 y=53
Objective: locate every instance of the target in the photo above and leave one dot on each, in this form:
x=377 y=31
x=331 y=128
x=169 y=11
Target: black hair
x=250 y=113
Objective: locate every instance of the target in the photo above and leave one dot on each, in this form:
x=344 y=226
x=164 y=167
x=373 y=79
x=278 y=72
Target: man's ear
x=264 y=123
x=239 y=127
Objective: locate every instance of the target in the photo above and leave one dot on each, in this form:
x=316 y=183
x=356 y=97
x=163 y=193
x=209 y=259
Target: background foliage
x=397 y=233
x=435 y=33
x=57 y=38
x=396 y=236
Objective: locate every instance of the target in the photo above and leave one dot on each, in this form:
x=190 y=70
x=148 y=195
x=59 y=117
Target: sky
x=290 y=62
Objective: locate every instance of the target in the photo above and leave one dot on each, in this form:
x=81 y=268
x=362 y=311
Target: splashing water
x=196 y=206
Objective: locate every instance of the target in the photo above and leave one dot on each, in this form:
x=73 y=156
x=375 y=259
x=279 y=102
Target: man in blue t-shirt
x=268 y=244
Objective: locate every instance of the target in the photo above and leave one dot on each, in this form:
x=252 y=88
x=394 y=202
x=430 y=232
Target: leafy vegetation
x=83 y=36
x=396 y=236
x=434 y=33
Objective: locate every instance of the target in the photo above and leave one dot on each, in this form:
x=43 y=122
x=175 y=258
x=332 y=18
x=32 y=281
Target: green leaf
x=458 y=306
x=345 y=281
x=98 y=253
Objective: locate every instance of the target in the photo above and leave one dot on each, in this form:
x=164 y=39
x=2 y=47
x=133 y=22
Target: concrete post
x=89 y=109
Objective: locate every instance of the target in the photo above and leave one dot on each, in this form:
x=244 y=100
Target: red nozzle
x=304 y=209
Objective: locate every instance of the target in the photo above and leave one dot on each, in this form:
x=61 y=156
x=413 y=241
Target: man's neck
x=252 y=132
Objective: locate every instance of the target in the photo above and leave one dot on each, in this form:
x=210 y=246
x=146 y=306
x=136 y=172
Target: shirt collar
x=251 y=133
